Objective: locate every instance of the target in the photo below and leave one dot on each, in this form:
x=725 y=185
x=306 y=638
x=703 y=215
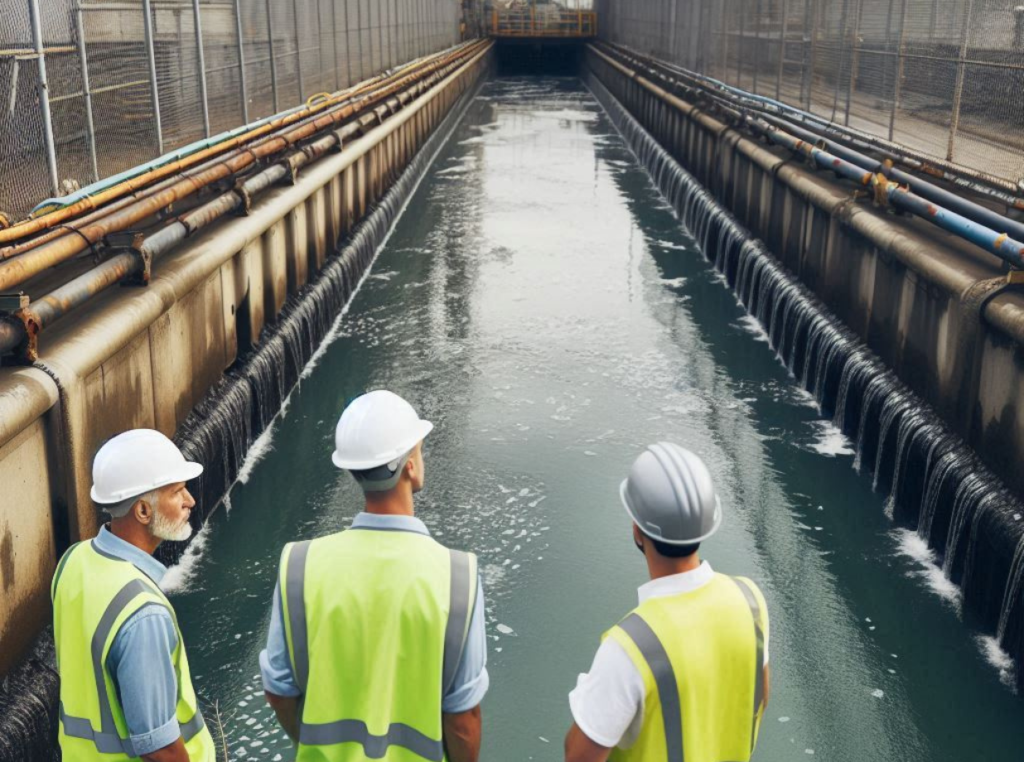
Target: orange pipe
x=134 y=184
x=16 y=271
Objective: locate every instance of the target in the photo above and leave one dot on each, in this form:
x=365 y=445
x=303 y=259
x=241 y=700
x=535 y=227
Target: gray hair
x=119 y=510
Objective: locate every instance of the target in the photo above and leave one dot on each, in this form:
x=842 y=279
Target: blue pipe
x=923 y=188
x=59 y=202
x=901 y=197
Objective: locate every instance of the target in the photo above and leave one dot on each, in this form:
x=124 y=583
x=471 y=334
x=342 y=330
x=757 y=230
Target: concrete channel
x=905 y=336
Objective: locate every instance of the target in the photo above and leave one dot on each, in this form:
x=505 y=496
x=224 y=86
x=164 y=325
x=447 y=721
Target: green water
x=541 y=304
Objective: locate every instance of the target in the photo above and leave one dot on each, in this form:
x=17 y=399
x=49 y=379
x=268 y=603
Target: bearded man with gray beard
x=126 y=690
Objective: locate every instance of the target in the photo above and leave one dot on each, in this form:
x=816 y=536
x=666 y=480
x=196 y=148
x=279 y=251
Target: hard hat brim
x=714 y=528
x=424 y=428
x=186 y=472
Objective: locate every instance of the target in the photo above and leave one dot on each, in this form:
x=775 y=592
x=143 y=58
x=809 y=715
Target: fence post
x=757 y=44
x=90 y=126
x=202 y=68
x=241 y=63
x=811 y=53
x=782 y=49
x=298 y=50
x=961 y=67
x=854 y=59
x=898 y=84
x=147 y=25
x=273 y=58
x=44 y=95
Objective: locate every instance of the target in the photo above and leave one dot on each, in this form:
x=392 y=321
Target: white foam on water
x=914 y=547
x=749 y=324
x=179 y=578
x=504 y=629
x=673 y=282
x=669 y=245
x=878 y=693
x=571 y=115
x=1001 y=661
x=830 y=441
x=386 y=276
x=262 y=447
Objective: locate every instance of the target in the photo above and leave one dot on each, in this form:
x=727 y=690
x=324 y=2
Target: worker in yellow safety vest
x=376 y=647
x=684 y=677
x=125 y=689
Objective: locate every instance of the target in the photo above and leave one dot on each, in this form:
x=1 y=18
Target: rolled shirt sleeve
x=471 y=679
x=608 y=702
x=141 y=662
x=275 y=664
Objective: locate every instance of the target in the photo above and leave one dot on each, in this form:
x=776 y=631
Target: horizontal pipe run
x=923 y=188
x=994 y=241
x=137 y=183
x=116 y=269
x=16 y=271
x=985 y=185
x=1000 y=244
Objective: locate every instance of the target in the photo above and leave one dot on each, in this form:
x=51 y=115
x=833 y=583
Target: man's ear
x=143 y=511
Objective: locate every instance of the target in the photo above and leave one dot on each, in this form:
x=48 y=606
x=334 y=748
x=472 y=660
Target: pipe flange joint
x=15 y=311
x=139 y=249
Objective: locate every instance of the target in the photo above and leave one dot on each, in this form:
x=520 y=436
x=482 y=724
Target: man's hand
x=462 y=733
x=287 y=710
x=175 y=752
x=579 y=747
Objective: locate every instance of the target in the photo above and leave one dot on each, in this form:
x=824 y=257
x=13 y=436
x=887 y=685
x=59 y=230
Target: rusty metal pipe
x=77 y=292
x=135 y=184
x=16 y=271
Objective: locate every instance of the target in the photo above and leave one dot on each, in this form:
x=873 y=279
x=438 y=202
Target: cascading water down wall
x=934 y=482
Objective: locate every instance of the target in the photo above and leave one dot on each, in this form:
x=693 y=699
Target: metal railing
x=91 y=88
x=543 y=21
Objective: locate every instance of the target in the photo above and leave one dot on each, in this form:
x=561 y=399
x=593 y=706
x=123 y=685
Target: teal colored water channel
x=540 y=303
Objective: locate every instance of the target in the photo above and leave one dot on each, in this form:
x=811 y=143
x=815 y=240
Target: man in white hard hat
x=685 y=675
x=377 y=646
x=125 y=686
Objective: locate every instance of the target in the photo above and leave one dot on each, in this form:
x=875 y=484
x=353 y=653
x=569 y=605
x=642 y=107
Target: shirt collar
x=107 y=542
x=675 y=584
x=366 y=520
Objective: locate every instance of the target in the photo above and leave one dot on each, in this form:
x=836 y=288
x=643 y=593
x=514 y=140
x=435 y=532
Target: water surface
x=539 y=302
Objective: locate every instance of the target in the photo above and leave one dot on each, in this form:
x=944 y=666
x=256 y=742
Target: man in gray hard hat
x=685 y=675
x=377 y=648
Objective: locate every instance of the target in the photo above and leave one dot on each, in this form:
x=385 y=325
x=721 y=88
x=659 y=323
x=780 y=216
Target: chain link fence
x=944 y=78
x=91 y=88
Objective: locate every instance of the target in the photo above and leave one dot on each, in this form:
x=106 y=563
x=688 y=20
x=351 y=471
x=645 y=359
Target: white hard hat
x=376 y=429
x=136 y=462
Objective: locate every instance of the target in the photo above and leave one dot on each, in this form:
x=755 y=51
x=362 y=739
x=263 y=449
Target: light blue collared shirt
x=140 y=660
x=471 y=679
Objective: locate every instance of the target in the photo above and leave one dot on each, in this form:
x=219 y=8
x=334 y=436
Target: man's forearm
x=287 y=710
x=462 y=733
x=174 y=752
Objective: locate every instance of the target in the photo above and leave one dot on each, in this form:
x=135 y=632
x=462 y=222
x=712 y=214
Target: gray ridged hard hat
x=671 y=497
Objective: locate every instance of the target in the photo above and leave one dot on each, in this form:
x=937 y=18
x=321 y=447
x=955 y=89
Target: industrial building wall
x=942 y=78
x=120 y=91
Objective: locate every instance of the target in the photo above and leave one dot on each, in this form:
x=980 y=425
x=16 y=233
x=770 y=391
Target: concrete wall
x=907 y=288
x=143 y=357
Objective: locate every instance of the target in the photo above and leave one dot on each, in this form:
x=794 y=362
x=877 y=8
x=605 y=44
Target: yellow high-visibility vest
x=375 y=622
x=94 y=594
x=701 y=656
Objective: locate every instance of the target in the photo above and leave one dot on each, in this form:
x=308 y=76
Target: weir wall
x=145 y=357
x=914 y=293
x=883 y=319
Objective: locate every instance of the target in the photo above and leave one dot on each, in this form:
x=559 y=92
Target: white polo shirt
x=608 y=702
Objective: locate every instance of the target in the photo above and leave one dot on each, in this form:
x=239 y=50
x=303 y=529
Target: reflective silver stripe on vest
x=295 y=582
x=755 y=612
x=107 y=740
x=461 y=598
x=664 y=677
x=374 y=747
